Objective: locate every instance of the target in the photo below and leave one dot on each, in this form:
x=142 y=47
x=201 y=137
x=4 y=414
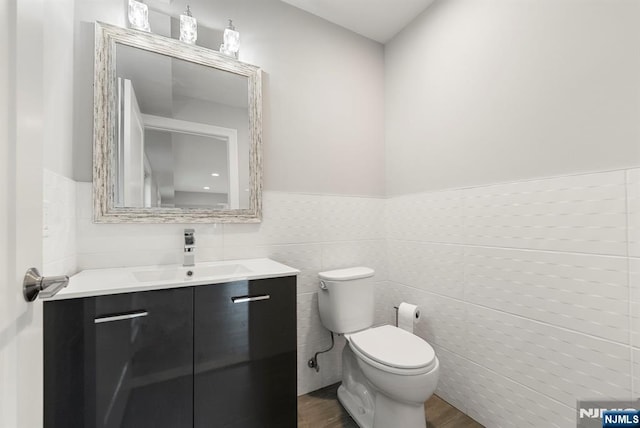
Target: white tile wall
x=497 y=401
x=528 y=291
x=635 y=356
x=586 y=293
x=583 y=213
x=443 y=320
x=633 y=194
x=634 y=282
x=434 y=217
x=529 y=294
x=453 y=385
x=58 y=225
x=559 y=363
x=309 y=232
x=427 y=266
x=352 y=219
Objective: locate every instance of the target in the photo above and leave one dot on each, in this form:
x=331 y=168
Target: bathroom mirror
x=177 y=132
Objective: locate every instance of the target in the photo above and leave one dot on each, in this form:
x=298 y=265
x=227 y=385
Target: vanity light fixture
x=188 y=27
x=139 y=15
x=231 y=44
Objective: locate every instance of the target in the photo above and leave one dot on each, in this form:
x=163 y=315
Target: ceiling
x=379 y=20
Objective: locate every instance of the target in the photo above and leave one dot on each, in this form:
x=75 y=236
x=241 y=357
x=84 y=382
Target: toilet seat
x=393 y=350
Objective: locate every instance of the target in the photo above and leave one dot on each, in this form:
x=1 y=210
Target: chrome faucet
x=189 y=247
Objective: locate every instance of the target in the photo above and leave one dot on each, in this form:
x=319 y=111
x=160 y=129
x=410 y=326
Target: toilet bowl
x=387 y=373
x=401 y=372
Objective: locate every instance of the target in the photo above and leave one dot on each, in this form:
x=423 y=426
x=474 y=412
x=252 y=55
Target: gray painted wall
x=57 y=64
x=323 y=92
x=483 y=91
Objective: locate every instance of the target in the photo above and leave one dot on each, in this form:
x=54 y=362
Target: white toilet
x=387 y=373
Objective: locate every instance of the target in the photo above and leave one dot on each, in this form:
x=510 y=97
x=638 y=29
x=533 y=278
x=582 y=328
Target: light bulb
x=139 y=15
x=188 y=27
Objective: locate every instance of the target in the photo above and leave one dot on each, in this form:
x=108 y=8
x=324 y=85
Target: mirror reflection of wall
x=187 y=171
x=183 y=134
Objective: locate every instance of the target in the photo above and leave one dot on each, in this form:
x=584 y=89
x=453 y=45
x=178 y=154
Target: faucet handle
x=189 y=237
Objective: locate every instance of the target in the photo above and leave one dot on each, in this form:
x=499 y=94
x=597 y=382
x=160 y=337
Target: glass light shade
x=139 y=15
x=231 y=38
x=188 y=27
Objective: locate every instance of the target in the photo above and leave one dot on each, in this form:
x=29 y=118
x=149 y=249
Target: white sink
x=230 y=270
x=102 y=282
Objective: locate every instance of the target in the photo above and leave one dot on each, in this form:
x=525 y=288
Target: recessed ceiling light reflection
x=215 y=174
x=206 y=188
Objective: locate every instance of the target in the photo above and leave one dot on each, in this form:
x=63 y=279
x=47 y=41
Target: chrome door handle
x=112 y=318
x=247 y=299
x=45 y=286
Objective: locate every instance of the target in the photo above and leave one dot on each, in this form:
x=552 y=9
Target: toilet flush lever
x=323 y=285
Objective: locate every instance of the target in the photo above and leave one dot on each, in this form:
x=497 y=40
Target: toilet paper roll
x=408 y=315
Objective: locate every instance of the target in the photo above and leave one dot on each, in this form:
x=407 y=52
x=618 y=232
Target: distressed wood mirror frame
x=105 y=130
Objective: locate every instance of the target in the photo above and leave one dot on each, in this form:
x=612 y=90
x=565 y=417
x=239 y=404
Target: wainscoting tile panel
x=128 y=259
x=443 y=320
x=331 y=362
x=385 y=292
x=369 y=253
x=636 y=371
x=352 y=218
x=59 y=246
x=125 y=244
x=305 y=257
x=435 y=217
x=586 y=293
x=634 y=282
x=310 y=329
x=585 y=213
x=633 y=195
x=556 y=362
x=308 y=379
x=498 y=402
x=288 y=218
x=239 y=252
x=84 y=200
x=437 y=268
x=104 y=238
x=64 y=266
x=453 y=385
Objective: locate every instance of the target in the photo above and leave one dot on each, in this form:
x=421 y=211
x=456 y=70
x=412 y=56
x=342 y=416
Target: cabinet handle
x=120 y=317
x=247 y=299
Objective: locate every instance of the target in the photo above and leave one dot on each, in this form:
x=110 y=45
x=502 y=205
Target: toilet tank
x=346 y=299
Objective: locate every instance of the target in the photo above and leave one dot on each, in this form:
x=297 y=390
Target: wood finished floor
x=321 y=409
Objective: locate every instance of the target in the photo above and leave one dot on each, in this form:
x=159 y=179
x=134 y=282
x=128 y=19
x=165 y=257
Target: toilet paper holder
x=396 y=309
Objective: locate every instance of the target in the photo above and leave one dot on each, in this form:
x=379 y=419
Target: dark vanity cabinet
x=220 y=355
x=245 y=355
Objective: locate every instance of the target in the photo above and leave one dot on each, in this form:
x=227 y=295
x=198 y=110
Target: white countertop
x=100 y=282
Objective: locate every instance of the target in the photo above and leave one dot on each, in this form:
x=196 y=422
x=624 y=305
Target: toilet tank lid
x=347 y=274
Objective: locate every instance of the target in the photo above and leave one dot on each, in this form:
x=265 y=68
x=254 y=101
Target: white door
x=21 y=144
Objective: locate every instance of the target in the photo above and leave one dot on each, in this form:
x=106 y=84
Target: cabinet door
x=144 y=359
x=128 y=356
x=67 y=368
x=245 y=354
